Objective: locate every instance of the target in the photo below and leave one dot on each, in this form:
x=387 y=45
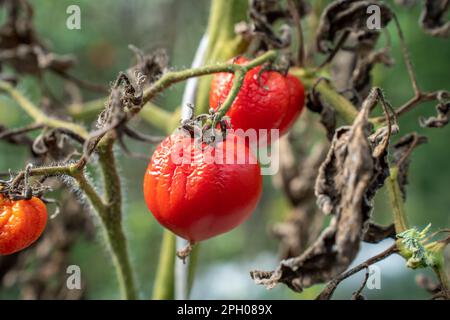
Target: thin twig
x=335 y=50
x=407 y=58
x=327 y=293
x=300 y=58
x=357 y=294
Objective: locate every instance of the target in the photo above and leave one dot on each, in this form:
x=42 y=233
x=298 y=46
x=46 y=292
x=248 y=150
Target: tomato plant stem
x=111 y=218
x=395 y=196
x=165 y=274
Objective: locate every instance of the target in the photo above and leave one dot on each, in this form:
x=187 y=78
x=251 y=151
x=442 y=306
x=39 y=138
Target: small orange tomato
x=21 y=223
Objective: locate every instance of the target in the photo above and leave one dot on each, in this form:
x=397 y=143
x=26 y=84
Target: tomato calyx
x=201 y=127
x=20 y=188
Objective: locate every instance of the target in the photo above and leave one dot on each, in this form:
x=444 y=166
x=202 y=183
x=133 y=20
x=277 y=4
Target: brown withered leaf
x=21 y=47
x=345 y=186
x=344 y=16
x=432 y=18
x=442 y=110
x=401 y=151
x=376 y=233
x=352 y=66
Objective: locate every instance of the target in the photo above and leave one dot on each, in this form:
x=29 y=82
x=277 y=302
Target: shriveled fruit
x=267 y=100
x=21 y=223
x=201 y=191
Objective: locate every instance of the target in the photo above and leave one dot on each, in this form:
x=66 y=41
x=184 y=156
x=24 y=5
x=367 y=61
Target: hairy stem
x=171 y=78
x=395 y=196
x=150 y=113
x=327 y=293
x=111 y=219
x=238 y=80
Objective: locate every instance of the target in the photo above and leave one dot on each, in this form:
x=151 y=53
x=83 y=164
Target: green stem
x=156 y=116
x=165 y=273
x=223 y=43
x=344 y=108
x=238 y=80
x=111 y=218
x=150 y=113
x=395 y=196
x=34 y=112
x=193 y=259
x=443 y=278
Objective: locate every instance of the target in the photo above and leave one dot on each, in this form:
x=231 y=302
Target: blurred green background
x=177 y=25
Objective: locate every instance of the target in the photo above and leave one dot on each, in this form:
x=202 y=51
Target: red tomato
x=296 y=103
x=21 y=223
x=272 y=102
x=199 y=198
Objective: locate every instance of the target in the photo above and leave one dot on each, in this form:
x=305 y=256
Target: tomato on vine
x=21 y=223
x=267 y=99
x=200 y=190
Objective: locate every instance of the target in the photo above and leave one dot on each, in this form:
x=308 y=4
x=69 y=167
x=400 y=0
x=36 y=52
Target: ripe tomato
x=296 y=103
x=273 y=101
x=21 y=223
x=199 y=198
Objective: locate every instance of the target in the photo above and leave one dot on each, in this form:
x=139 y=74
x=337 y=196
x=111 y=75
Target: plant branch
x=327 y=293
x=395 y=196
x=343 y=107
x=165 y=274
x=111 y=218
x=38 y=115
x=171 y=78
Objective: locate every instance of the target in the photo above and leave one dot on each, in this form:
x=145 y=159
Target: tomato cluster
x=198 y=199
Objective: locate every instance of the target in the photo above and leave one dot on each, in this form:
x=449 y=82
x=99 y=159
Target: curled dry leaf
x=443 y=111
x=401 y=151
x=21 y=47
x=352 y=66
x=432 y=18
x=376 y=233
x=345 y=186
x=344 y=16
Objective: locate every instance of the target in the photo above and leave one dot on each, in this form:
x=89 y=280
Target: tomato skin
x=202 y=199
x=21 y=223
x=296 y=103
x=272 y=102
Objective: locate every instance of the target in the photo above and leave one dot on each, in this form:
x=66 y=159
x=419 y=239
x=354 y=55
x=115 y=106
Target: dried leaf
x=401 y=151
x=344 y=15
x=376 y=233
x=432 y=18
x=443 y=112
x=345 y=186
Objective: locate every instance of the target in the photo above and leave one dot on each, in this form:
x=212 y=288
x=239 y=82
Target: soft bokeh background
x=177 y=25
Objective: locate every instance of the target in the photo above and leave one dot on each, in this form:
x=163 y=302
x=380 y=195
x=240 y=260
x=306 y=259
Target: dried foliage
x=346 y=183
x=400 y=157
x=432 y=18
